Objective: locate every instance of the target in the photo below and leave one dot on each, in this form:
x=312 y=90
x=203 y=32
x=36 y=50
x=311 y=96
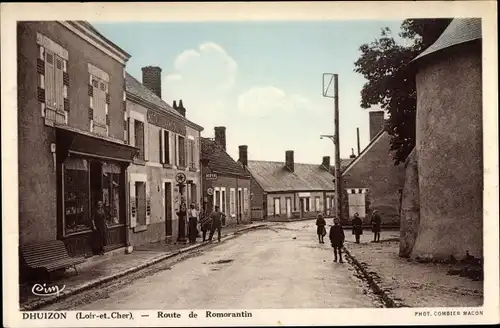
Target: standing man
x=216 y=217
x=206 y=225
x=357 y=227
x=376 y=226
x=337 y=238
x=193 y=222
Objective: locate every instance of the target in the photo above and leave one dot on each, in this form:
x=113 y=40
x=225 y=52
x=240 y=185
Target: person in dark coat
x=320 y=230
x=337 y=238
x=193 y=223
x=357 y=227
x=376 y=223
x=216 y=217
x=100 y=228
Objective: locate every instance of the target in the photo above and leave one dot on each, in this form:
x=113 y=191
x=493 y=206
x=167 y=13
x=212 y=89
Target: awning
x=72 y=141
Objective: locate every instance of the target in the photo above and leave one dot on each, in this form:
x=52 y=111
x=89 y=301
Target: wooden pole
x=338 y=177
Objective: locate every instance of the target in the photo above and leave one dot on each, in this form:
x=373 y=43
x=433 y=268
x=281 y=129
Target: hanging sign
x=210 y=191
x=180 y=177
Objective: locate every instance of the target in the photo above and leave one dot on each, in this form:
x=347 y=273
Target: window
x=217 y=198
x=54 y=98
x=307 y=200
x=191 y=154
x=223 y=206
x=317 y=208
x=76 y=196
x=164 y=147
x=182 y=151
x=175 y=148
x=276 y=206
x=245 y=200
x=232 y=198
x=140 y=200
x=139 y=138
x=99 y=100
x=111 y=185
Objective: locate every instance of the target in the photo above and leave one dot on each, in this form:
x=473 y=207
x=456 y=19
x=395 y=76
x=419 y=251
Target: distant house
x=372 y=181
x=169 y=145
x=225 y=182
x=287 y=190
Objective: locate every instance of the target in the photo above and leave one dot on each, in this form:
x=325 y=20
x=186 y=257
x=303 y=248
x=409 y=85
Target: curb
x=93 y=283
x=387 y=299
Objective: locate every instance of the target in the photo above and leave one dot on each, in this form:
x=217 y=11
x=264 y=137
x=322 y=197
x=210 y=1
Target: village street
x=282 y=266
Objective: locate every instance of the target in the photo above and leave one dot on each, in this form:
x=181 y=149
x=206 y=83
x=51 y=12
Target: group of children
x=337 y=236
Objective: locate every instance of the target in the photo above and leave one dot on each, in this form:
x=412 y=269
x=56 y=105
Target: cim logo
x=43 y=290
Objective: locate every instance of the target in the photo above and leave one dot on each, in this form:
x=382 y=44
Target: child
x=320 y=223
x=337 y=238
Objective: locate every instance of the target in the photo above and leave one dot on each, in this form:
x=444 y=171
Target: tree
x=390 y=84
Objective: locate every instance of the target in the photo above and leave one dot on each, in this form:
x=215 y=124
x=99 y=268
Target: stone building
x=225 y=182
x=449 y=149
x=73 y=147
x=372 y=181
x=287 y=190
x=168 y=145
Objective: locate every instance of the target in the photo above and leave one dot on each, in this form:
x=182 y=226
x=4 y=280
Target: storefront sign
x=166 y=122
x=211 y=176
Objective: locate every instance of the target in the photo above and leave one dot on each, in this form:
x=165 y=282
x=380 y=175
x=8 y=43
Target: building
x=372 y=181
x=288 y=190
x=73 y=147
x=168 y=145
x=449 y=147
x=225 y=182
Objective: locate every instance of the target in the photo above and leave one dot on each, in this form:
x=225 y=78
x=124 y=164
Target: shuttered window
x=53 y=81
x=245 y=200
x=164 y=147
x=232 y=198
x=100 y=89
x=191 y=154
x=182 y=151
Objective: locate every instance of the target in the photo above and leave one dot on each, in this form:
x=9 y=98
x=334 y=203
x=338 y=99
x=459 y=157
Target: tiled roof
x=219 y=159
x=138 y=89
x=273 y=176
x=459 y=31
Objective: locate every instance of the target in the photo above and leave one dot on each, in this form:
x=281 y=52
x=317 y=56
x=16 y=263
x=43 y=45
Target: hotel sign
x=211 y=176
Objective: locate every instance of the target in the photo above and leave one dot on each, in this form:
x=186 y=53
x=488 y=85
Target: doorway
x=168 y=209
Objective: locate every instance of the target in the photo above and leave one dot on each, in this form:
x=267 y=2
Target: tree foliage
x=390 y=84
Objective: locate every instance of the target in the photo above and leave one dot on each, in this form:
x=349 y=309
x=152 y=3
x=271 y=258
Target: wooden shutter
x=162 y=146
x=58 y=83
x=148 y=202
x=133 y=204
x=145 y=138
x=50 y=98
x=166 y=144
x=131 y=132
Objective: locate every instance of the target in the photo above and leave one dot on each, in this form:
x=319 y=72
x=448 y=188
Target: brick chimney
x=376 y=123
x=326 y=163
x=151 y=79
x=243 y=150
x=220 y=136
x=180 y=109
x=289 y=164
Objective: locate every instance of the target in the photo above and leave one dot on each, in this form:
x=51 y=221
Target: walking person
x=216 y=217
x=193 y=222
x=206 y=225
x=337 y=238
x=100 y=228
x=320 y=230
x=357 y=227
x=376 y=226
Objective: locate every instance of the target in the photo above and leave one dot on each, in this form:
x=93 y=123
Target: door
x=288 y=207
x=168 y=209
x=302 y=207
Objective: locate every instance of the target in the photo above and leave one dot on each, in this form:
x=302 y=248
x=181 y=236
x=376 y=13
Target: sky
x=263 y=81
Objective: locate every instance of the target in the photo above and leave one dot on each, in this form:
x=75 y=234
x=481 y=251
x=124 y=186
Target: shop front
x=91 y=170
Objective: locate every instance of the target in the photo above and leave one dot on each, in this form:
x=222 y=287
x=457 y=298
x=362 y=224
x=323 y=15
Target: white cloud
x=269 y=101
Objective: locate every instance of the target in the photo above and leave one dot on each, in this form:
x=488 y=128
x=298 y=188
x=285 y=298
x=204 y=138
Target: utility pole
x=357 y=132
x=338 y=177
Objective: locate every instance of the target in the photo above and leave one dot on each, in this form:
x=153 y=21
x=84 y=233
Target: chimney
x=289 y=160
x=175 y=105
x=220 y=136
x=357 y=132
x=376 y=123
x=352 y=155
x=326 y=163
x=180 y=109
x=243 y=150
x=151 y=79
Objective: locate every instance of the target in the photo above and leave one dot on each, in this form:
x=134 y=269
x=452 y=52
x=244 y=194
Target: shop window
x=111 y=185
x=76 y=196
